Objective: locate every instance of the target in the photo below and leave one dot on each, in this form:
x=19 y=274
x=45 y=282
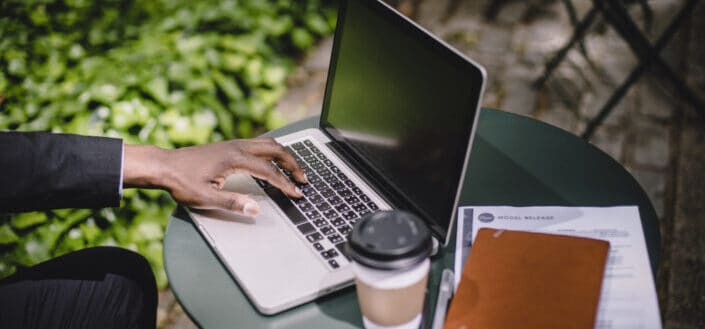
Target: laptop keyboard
x=331 y=205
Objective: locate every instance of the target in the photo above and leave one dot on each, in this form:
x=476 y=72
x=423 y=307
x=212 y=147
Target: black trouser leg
x=104 y=287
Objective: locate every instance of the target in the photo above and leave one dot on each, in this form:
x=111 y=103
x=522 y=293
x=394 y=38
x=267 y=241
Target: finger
x=271 y=150
x=239 y=203
x=266 y=170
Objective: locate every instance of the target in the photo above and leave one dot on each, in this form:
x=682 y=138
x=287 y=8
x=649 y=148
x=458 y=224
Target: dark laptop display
x=401 y=105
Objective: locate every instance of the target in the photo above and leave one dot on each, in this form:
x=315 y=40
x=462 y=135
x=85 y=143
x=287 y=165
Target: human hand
x=194 y=176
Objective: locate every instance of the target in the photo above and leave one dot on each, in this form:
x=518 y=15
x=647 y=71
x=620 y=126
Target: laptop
x=398 y=119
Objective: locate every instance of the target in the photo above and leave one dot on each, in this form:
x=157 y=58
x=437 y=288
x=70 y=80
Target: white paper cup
x=391 y=299
x=390 y=259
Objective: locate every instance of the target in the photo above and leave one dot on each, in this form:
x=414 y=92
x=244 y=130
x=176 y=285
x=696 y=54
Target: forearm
x=146 y=166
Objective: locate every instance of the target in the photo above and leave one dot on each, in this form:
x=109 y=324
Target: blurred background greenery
x=166 y=72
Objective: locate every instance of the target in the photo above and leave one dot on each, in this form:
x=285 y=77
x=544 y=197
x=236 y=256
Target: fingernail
x=298 y=191
x=305 y=178
x=251 y=209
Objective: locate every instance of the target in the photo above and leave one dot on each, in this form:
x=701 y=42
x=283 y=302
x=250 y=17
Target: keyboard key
x=338 y=221
x=316 y=199
x=372 y=206
x=301 y=163
x=364 y=198
x=308 y=143
x=349 y=215
x=304 y=152
x=342 y=176
x=324 y=172
x=335 y=169
x=333 y=264
x=359 y=207
x=296 y=217
x=364 y=212
x=327 y=230
x=330 y=253
x=342 y=207
x=322 y=157
x=335 y=239
x=323 y=206
x=315 y=149
x=330 y=214
x=314 y=237
x=345 y=193
x=328 y=193
x=352 y=199
x=344 y=230
x=328 y=163
x=310 y=159
x=320 y=185
x=305 y=206
x=307 y=170
x=313 y=179
x=306 y=228
x=357 y=190
x=349 y=183
x=308 y=190
x=334 y=200
x=313 y=214
x=318 y=246
x=298 y=146
x=320 y=222
x=337 y=186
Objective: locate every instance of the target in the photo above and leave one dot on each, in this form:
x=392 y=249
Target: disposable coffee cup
x=390 y=259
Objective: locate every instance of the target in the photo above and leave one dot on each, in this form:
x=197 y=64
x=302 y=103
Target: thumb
x=239 y=203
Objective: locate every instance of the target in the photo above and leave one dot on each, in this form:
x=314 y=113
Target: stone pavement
x=659 y=139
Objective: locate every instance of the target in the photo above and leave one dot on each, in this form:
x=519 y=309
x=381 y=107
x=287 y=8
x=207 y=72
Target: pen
x=445 y=291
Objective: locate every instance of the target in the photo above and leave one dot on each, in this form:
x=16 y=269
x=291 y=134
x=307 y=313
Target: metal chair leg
x=661 y=42
x=573 y=16
x=619 y=18
x=578 y=34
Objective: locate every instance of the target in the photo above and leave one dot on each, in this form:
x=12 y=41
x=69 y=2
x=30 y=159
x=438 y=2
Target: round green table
x=515 y=161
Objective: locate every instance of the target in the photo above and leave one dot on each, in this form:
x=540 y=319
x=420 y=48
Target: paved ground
x=656 y=137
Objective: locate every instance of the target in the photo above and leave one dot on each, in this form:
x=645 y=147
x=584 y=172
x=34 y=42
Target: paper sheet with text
x=628 y=298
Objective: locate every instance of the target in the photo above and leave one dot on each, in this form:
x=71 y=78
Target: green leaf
x=233 y=62
x=28 y=219
x=159 y=89
x=317 y=24
x=228 y=85
x=90 y=230
x=245 y=44
x=7 y=236
x=253 y=72
x=274 y=75
x=301 y=38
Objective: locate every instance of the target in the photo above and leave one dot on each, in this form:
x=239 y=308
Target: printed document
x=628 y=298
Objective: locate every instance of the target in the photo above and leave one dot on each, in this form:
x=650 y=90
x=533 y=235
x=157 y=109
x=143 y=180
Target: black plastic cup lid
x=389 y=240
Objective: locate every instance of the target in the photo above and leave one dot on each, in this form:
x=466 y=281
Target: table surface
x=514 y=161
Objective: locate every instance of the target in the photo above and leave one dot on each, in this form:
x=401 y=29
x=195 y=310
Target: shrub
x=166 y=72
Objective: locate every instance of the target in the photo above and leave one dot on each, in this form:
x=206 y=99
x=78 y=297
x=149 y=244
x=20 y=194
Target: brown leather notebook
x=529 y=280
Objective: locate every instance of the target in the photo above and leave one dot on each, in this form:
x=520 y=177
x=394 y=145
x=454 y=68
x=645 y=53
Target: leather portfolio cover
x=529 y=280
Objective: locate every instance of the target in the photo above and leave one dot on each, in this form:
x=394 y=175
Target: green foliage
x=165 y=72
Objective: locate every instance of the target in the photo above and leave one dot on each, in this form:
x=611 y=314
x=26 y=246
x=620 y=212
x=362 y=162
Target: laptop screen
x=404 y=105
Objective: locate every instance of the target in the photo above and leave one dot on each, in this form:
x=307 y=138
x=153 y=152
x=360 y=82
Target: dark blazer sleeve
x=41 y=171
